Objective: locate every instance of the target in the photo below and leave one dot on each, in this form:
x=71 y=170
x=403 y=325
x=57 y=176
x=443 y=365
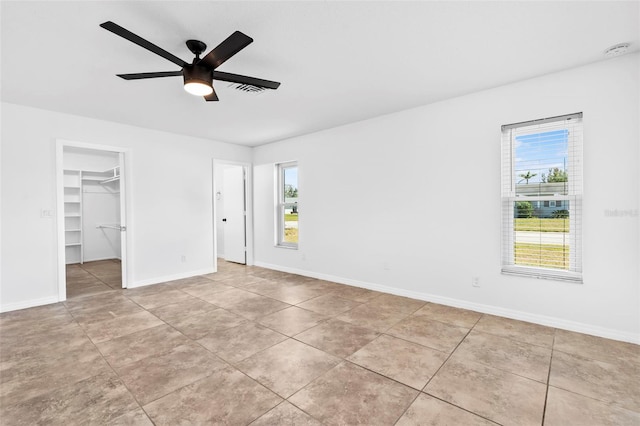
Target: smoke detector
x=617 y=50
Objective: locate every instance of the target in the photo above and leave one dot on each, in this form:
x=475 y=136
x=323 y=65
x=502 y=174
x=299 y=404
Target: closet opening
x=91 y=220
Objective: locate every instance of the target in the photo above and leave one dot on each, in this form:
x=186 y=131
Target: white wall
x=171 y=208
x=89 y=159
x=410 y=203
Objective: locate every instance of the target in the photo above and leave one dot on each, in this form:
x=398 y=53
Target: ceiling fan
x=200 y=73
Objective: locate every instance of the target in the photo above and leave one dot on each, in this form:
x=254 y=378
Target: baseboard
x=158 y=280
x=54 y=299
x=456 y=303
x=28 y=304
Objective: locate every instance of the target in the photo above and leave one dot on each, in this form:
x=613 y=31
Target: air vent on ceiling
x=247 y=88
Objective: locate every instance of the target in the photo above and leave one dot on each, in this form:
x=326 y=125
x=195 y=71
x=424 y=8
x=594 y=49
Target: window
x=542 y=198
x=287 y=205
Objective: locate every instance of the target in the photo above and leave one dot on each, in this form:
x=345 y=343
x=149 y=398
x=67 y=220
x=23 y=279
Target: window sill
x=289 y=247
x=543 y=274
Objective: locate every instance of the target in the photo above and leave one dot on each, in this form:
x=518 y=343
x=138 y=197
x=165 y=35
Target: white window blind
x=542 y=198
x=287 y=204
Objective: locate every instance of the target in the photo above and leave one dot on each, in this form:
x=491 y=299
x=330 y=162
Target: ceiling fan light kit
x=198 y=80
x=199 y=75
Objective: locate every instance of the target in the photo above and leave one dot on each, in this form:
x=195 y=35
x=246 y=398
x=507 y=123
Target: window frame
x=573 y=198
x=282 y=205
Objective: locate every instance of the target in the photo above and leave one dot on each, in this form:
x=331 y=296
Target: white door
x=233 y=217
x=123 y=223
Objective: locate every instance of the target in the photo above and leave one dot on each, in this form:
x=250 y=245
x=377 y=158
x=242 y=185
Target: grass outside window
x=553 y=256
x=538 y=224
x=290 y=232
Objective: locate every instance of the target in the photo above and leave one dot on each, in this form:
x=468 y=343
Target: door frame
x=248 y=191
x=124 y=155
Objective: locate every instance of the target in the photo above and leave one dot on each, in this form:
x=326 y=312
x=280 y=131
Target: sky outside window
x=536 y=153
x=291 y=178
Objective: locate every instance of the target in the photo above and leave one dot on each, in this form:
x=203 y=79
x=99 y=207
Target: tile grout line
x=500 y=368
x=432 y=376
x=546 y=393
x=259 y=324
x=447 y=360
x=381 y=333
x=98 y=278
x=462 y=408
x=328 y=318
x=111 y=367
x=305 y=386
x=162 y=353
x=235 y=368
x=113 y=370
x=452 y=352
x=511 y=338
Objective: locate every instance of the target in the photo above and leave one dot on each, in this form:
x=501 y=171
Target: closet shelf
x=107 y=176
x=73 y=216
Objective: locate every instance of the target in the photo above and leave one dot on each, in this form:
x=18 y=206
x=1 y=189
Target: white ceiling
x=338 y=62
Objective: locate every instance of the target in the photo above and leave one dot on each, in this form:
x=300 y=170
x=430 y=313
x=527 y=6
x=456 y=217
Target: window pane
x=542 y=235
x=541 y=163
x=290 y=224
x=289 y=205
x=290 y=182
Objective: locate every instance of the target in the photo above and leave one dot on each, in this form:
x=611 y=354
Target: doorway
x=91 y=206
x=232 y=212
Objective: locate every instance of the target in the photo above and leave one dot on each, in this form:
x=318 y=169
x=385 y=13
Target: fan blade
x=142 y=75
x=211 y=97
x=229 y=47
x=124 y=33
x=243 y=79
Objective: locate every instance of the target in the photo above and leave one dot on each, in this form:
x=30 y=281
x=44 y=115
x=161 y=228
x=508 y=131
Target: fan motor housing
x=197 y=73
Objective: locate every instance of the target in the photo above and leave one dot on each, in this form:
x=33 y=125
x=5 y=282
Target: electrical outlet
x=183 y=258
x=475 y=281
x=385 y=266
x=303 y=256
x=46 y=213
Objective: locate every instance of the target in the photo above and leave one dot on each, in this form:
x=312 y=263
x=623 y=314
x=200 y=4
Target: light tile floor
x=249 y=345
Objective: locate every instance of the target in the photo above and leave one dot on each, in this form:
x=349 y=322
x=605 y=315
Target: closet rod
x=101 y=192
x=118 y=227
x=110 y=179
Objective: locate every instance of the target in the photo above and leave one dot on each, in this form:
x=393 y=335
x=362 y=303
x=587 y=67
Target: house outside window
x=287 y=205
x=542 y=198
